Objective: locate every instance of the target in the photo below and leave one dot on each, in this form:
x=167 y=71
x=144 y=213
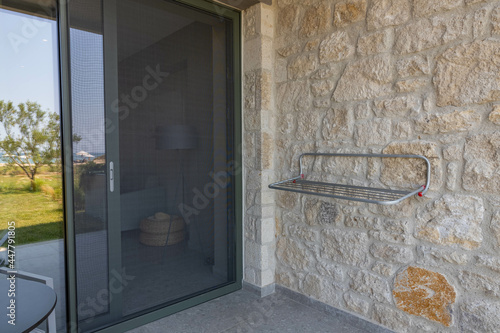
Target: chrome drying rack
x=350 y=192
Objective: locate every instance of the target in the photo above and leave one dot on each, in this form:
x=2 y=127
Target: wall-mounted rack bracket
x=350 y=192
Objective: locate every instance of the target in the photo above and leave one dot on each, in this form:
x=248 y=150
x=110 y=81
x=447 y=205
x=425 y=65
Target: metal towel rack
x=350 y=192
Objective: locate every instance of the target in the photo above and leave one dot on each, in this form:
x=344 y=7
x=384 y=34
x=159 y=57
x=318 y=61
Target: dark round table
x=34 y=301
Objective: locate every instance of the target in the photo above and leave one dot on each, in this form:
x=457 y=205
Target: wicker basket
x=154 y=226
x=160 y=239
x=154 y=230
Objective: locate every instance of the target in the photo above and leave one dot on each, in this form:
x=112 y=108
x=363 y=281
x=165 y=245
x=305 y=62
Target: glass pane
x=174 y=152
x=30 y=149
x=89 y=161
x=151 y=94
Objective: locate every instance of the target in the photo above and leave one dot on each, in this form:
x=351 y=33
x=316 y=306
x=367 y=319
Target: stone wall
x=391 y=76
x=258 y=137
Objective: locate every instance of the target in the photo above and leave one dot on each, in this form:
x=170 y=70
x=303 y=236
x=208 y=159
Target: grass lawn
x=38 y=215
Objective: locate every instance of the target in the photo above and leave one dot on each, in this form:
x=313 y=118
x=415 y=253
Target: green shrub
x=16 y=172
x=38 y=186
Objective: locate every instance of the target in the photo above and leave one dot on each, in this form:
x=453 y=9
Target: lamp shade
x=175 y=137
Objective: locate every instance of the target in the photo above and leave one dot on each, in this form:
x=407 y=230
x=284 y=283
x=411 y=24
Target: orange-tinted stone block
x=421 y=292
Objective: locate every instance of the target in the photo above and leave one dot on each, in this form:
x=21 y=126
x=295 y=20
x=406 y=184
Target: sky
x=28 y=60
x=29 y=70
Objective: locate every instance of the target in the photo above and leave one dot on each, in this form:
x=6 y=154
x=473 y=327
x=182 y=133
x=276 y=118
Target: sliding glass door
x=154 y=159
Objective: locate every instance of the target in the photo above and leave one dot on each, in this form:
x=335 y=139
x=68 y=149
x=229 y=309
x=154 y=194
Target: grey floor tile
x=244 y=312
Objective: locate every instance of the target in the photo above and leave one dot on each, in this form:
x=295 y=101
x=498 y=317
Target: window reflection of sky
x=29 y=70
x=28 y=60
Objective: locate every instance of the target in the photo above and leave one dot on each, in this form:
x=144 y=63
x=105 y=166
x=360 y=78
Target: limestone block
x=336 y=47
x=287 y=20
x=495 y=21
x=249 y=90
x=327 y=72
x=424 y=8
x=333 y=271
x=363 y=222
x=370 y=285
x=480 y=315
x=291 y=254
x=312 y=286
x=452 y=175
x=453 y=152
x=307 y=124
x=392 y=231
x=400 y=106
x=337 y=123
x=318 y=212
x=322 y=103
x=392 y=318
x=482 y=163
x=383 y=268
x=473 y=281
x=322 y=88
x=410 y=85
x=402 y=130
x=302 y=233
x=302 y=66
x=289 y=94
x=311 y=45
x=365 y=78
x=265 y=90
x=456 y=121
x=289 y=50
x=494 y=116
x=410 y=172
x=286 y=278
x=373 y=132
x=413 y=66
x=347 y=247
x=428 y=33
x=430 y=256
x=481 y=22
x=424 y=293
x=257 y=255
x=316 y=20
x=383 y=13
x=356 y=303
x=362 y=111
x=331 y=294
x=280 y=70
x=392 y=253
x=490 y=262
x=287 y=200
x=471 y=2
x=468 y=74
x=250 y=22
x=495 y=226
x=452 y=219
x=286 y=123
x=267 y=151
x=250 y=227
x=377 y=42
x=348 y=12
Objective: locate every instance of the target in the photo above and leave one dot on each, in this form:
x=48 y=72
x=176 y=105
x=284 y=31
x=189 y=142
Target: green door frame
x=66 y=124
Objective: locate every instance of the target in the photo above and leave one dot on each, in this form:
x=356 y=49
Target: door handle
x=111 y=177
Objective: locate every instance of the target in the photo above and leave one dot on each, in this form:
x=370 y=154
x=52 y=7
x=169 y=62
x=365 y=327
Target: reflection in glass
x=30 y=150
x=154 y=176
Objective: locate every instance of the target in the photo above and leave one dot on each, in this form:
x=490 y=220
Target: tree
x=32 y=137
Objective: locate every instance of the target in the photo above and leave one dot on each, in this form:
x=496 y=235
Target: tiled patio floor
x=243 y=311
